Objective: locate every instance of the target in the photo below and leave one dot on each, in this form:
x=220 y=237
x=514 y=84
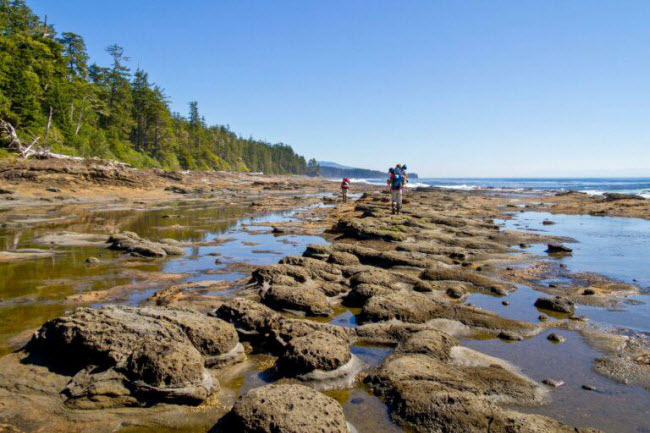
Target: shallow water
x=34 y=291
x=615 y=247
x=614 y=407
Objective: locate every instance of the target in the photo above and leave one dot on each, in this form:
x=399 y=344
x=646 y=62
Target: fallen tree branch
x=8 y=137
x=26 y=152
x=9 y=140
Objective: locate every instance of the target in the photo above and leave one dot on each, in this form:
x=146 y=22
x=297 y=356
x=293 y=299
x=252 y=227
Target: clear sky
x=453 y=88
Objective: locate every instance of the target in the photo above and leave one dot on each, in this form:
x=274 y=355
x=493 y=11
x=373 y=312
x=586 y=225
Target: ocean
x=639 y=186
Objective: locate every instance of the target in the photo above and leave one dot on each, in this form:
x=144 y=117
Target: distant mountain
x=332 y=164
x=333 y=169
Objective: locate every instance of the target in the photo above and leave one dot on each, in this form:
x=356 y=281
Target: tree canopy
x=49 y=90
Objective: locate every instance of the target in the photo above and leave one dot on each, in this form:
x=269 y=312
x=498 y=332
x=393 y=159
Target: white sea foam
x=643 y=193
x=417 y=185
x=462 y=187
x=593 y=192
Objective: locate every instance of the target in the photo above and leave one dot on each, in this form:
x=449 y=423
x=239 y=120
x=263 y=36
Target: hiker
x=345 y=185
x=405 y=183
x=396 y=182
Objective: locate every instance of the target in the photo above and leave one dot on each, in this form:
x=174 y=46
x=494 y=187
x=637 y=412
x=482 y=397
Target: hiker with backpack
x=345 y=186
x=396 y=180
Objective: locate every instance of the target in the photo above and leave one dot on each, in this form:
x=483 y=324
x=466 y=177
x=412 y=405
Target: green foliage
x=313 y=168
x=48 y=90
x=5 y=154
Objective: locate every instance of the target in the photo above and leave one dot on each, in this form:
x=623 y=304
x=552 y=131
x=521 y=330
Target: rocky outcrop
x=308 y=300
x=315 y=351
x=558 y=304
x=369 y=228
x=288 y=329
x=558 y=249
x=425 y=392
x=133 y=244
x=137 y=355
x=481 y=282
x=248 y=317
x=413 y=307
x=361 y=293
x=287 y=409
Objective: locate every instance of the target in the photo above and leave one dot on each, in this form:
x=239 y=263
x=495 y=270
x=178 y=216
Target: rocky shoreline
x=405 y=278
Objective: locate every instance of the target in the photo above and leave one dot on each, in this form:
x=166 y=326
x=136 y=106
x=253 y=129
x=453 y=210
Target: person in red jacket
x=345 y=186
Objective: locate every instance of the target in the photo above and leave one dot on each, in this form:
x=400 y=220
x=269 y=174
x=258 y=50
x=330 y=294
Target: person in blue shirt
x=396 y=180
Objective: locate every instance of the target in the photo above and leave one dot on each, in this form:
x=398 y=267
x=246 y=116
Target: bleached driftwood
x=10 y=141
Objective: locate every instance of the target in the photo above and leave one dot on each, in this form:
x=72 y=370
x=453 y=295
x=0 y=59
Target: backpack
x=398 y=179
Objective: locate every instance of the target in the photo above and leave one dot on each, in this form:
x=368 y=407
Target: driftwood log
x=10 y=141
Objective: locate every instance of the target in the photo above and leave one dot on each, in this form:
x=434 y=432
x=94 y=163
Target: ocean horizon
x=590 y=185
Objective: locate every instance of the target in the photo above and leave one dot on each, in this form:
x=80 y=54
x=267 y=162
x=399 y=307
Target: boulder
x=130 y=242
x=92 y=389
x=315 y=351
x=360 y=294
x=456 y=292
x=214 y=338
x=555 y=338
x=614 y=196
x=160 y=352
x=331 y=289
x=343 y=258
x=409 y=307
x=169 y=371
x=427 y=393
x=318 y=251
x=172 y=250
x=558 y=249
x=374 y=276
x=413 y=307
x=555 y=383
x=443 y=286
x=288 y=329
x=286 y=409
x=366 y=228
x=280 y=274
x=309 y=300
x=248 y=316
x=430 y=342
x=558 y=304
x=453 y=274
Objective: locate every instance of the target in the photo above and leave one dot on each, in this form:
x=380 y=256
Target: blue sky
x=453 y=88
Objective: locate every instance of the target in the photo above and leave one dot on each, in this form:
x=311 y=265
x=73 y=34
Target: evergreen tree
x=74 y=49
x=313 y=168
x=48 y=89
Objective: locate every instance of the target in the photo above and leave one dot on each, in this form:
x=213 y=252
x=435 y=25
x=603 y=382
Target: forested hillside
x=332 y=169
x=49 y=90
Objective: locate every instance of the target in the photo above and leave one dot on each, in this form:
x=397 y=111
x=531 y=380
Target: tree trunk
x=49 y=123
x=9 y=138
x=76 y=131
